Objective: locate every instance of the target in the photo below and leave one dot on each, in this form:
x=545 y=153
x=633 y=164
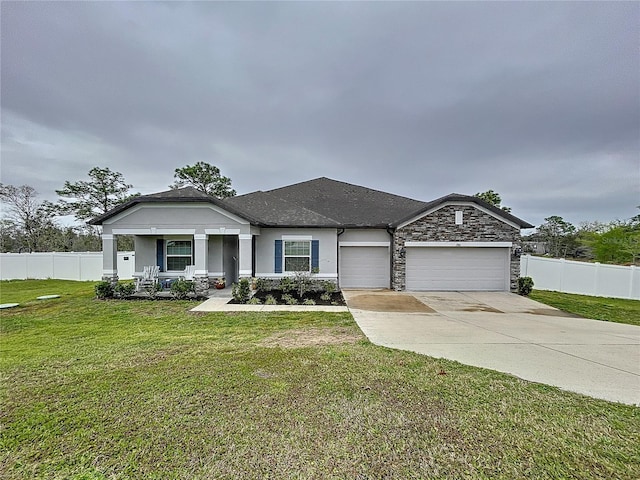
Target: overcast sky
x=537 y=101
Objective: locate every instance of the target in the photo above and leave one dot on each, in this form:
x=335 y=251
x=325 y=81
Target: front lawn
x=600 y=308
x=115 y=389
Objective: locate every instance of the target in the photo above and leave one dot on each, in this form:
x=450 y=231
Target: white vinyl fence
x=595 y=279
x=62 y=266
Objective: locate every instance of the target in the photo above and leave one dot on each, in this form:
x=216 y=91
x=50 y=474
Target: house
x=355 y=236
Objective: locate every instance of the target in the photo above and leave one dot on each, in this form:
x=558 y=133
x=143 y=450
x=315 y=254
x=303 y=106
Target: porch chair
x=189 y=272
x=149 y=277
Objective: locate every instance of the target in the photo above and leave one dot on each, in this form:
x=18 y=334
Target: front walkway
x=509 y=333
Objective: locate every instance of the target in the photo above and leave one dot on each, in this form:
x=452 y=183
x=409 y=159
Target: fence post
x=525 y=261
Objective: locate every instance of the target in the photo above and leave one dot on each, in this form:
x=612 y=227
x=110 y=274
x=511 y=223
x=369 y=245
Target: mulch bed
x=336 y=297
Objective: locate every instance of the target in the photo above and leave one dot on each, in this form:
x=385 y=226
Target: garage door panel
x=457 y=268
x=364 y=267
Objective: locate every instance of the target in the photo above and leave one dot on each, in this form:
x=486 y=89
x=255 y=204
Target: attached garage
x=457 y=268
x=364 y=266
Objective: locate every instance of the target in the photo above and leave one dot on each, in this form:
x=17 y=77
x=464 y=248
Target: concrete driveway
x=508 y=333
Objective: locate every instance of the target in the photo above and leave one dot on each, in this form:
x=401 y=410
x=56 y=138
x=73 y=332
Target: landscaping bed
x=281 y=298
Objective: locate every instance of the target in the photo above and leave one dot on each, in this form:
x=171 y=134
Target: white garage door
x=446 y=269
x=364 y=267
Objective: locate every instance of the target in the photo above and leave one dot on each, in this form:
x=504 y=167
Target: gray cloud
x=539 y=101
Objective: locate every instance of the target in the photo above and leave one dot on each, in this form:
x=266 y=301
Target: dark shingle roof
x=346 y=204
x=277 y=212
x=321 y=202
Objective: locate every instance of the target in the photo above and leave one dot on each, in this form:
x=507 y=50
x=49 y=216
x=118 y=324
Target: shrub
x=286 y=284
x=525 y=285
x=309 y=301
x=104 y=290
x=264 y=284
x=254 y=301
x=270 y=300
x=302 y=282
x=124 y=290
x=241 y=291
x=289 y=300
x=180 y=289
x=152 y=289
x=329 y=287
x=325 y=297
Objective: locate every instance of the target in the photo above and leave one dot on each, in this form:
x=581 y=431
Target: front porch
x=226 y=256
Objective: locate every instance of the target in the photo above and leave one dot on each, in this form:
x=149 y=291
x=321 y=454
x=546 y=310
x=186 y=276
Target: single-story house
x=355 y=236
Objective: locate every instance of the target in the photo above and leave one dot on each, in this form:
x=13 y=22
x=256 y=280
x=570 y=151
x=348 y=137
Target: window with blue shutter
x=315 y=255
x=278 y=257
x=160 y=254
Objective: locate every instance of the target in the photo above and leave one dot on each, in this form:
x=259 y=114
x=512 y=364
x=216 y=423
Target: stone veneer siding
x=440 y=226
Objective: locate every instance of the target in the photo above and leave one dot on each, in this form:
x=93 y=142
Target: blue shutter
x=315 y=255
x=278 y=257
x=160 y=254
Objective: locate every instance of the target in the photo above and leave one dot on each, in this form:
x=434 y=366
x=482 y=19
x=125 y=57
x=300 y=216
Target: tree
x=493 y=198
x=88 y=199
x=559 y=235
x=26 y=220
x=618 y=242
x=206 y=178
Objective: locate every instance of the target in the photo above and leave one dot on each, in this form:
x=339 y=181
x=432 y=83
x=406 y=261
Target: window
x=297 y=256
x=179 y=254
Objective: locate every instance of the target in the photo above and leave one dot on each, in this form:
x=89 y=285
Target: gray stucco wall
x=265 y=249
x=194 y=217
x=440 y=226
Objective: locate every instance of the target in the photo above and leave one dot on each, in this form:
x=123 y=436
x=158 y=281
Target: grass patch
x=599 y=308
x=116 y=389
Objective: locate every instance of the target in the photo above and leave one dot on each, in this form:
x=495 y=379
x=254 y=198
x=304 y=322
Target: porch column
x=109 y=258
x=201 y=252
x=245 y=254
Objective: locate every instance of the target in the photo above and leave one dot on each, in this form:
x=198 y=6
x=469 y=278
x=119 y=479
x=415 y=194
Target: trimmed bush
x=525 y=285
x=180 y=289
x=241 y=291
x=104 y=290
x=124 y=290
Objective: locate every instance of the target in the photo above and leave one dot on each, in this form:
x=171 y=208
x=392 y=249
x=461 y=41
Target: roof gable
x=178 y=195
x=458 y=198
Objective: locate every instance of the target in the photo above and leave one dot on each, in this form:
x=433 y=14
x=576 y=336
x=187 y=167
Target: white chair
x=189 y=272
x=149 y=277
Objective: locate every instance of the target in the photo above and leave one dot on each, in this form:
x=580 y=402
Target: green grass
x=109 y=389
x=599 y=308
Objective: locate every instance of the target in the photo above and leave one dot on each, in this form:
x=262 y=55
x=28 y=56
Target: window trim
x=167 y=255
x=285 y=256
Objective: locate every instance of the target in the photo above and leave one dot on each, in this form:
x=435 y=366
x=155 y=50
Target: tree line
x=28 y=225
x=616 y=242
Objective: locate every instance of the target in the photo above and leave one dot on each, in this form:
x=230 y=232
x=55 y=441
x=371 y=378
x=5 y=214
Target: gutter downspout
x=339 y=231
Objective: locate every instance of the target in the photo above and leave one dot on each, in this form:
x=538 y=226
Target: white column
x=202 y=254
x=245 y=254
x=109 y=257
